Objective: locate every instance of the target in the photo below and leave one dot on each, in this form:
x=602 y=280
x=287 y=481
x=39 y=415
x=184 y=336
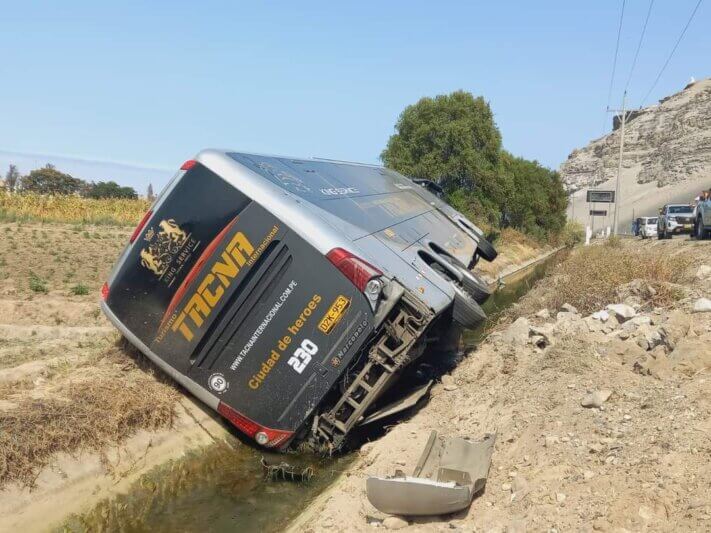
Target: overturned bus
x=291 y=294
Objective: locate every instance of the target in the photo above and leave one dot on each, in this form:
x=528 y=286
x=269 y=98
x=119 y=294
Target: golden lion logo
x=151 y=262
x=163 y=245
x=172 y=230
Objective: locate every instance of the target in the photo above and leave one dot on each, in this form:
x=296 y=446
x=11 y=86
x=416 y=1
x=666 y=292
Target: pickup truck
x=702 y=221
x=675 y=219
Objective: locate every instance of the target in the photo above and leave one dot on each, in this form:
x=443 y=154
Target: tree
x=109 y=189
x=450 y=139
x=11 y=178
x=537 y=201
x=149 y=193
x=453 y=139
x=49 y=180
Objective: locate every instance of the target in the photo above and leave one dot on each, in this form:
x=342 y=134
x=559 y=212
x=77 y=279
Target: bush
x=80 y=290
x=613 y=241
x=573 y=234
x=110 y=189
x=49 y=180
x=38 y=284
x=590 y=277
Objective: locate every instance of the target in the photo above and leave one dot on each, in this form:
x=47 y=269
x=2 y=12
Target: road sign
x=603 y=197
x=598 y=212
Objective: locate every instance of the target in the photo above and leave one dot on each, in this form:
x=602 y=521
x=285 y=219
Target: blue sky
x=151 y=83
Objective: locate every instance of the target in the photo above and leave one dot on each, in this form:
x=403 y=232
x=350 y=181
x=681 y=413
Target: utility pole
x=619 y=166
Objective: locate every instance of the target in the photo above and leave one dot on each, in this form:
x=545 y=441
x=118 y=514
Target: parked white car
x=648 y=227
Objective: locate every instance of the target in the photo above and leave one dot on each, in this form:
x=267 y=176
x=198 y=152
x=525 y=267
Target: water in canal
x=222 y=487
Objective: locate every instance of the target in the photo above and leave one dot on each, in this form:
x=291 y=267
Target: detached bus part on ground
x=291 y=294
x=449 y=473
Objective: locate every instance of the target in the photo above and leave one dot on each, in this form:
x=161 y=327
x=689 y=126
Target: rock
x=538 y=341
x=691 y=355
x=544 y=313
x=657 y=366
x=569 y=308
x=370 y=519
x=550 y=441
x=560 y=497
x=517 y=333
x=602 y=316
x=541 y=336
x=596 y=399
x=702 y=305
x=624 y=334
x=543 y=331
x=653 y=337
x=703 y=272
x=519 y=488
x=594 y=325
x=447 y=380
x=659 y=351
x=395 y=522
x=588 y=474
x=639 y=320
x=662 y=152
x=506 y=487
x=675 y=328
x=623 y=312
x=633 y=301
x=451 y=387
x=564 y=316
x=595 y=447
x=696 y=503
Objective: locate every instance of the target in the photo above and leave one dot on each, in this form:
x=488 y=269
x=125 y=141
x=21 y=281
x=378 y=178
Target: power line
x=614 y=62
x=676 y=45
x=639 y=44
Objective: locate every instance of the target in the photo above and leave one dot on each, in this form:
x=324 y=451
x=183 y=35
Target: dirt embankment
x=516 y=251
x=602 y=415
x=82 y=415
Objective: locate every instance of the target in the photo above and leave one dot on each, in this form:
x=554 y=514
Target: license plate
x=334 y=314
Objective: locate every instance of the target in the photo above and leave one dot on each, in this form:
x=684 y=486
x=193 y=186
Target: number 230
x=302 y=355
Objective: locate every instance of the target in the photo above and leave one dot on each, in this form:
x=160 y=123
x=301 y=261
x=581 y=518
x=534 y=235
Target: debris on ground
x=449 y=473
x=285 y=472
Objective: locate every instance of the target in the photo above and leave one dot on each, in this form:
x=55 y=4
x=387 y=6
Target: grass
x=513 y=236
x=590 y=277
x=109 y=402
x=38 y=284
x=79 y=290
x=21 y=207
x=61 y=259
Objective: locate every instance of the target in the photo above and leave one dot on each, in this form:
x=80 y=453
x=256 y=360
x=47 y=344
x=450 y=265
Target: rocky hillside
x=665 y=143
